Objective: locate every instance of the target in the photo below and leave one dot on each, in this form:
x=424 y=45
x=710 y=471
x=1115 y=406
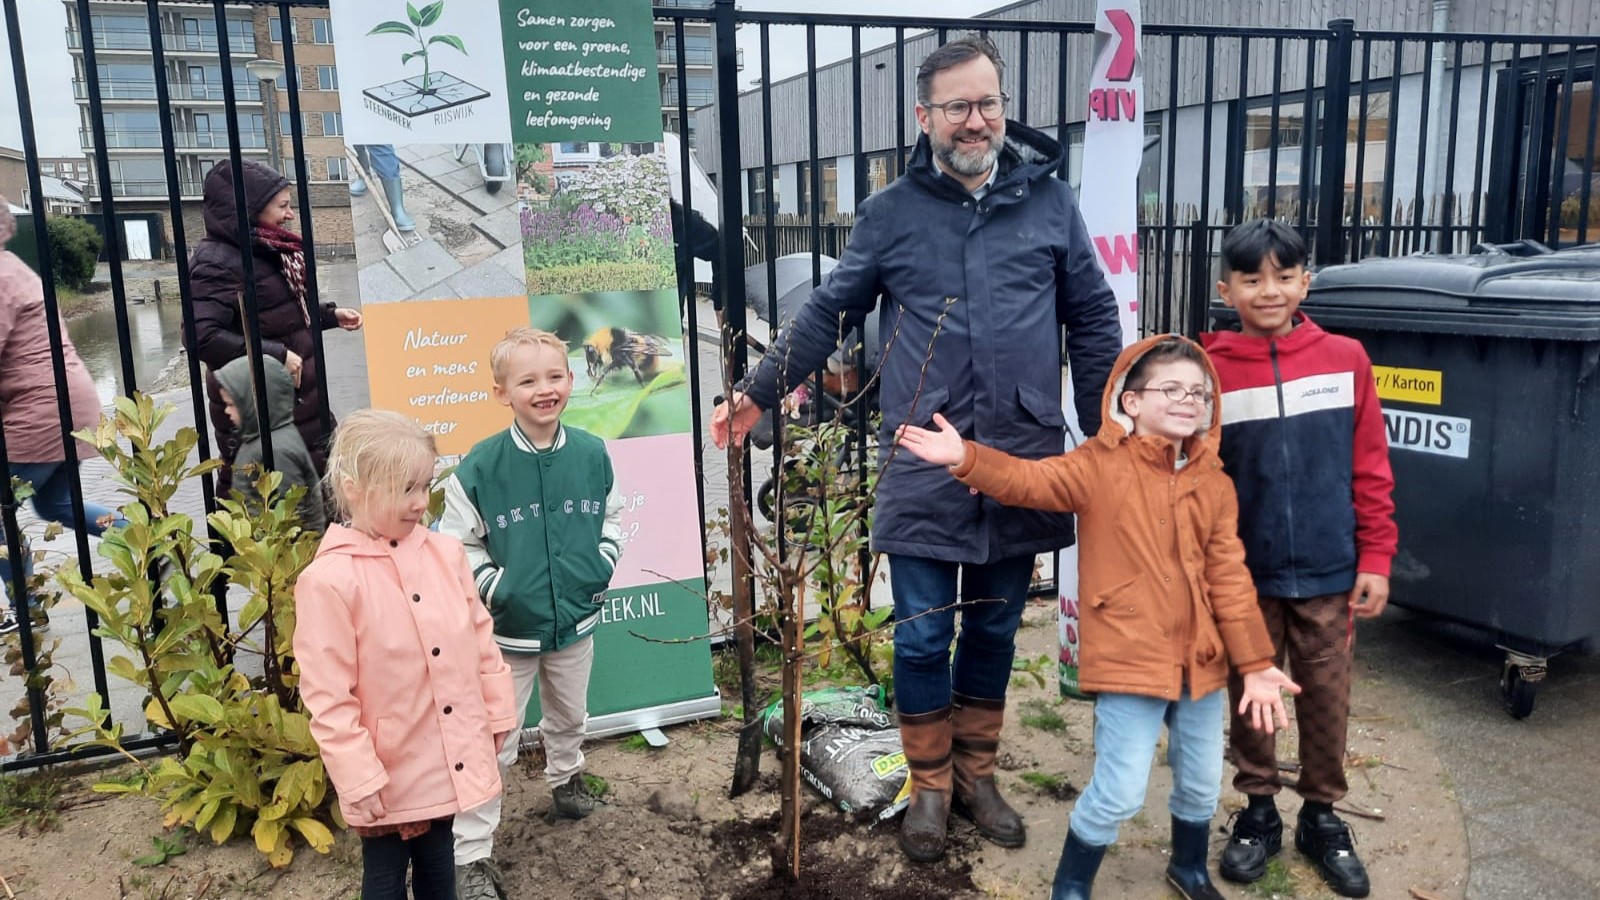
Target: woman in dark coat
x=287 y=315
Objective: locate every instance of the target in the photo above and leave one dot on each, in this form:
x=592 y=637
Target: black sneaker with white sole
x=9 y=624
x=1325 y=838
x=1256 y=837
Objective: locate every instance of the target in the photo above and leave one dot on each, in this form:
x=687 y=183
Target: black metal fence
x=1371 y=142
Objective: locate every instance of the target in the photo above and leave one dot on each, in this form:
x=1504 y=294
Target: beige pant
x=564 y=703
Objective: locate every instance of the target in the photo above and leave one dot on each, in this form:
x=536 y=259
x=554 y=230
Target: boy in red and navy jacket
x=1303 y=439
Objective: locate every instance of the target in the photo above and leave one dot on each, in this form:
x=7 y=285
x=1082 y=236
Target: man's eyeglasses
x=1178 y=393
x=957 y=111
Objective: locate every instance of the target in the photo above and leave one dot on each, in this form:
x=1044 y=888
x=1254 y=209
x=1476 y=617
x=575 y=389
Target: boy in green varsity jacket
x=537 y=508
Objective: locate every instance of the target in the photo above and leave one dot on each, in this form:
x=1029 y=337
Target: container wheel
x=497 y=165
x=1517 y=691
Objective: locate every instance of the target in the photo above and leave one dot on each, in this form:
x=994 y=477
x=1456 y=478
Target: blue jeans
x=1126 y=728
x=385 y=164
x=52 y=500
x=924 y=674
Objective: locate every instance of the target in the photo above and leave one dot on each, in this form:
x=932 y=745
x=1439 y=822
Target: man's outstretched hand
x=733 y=418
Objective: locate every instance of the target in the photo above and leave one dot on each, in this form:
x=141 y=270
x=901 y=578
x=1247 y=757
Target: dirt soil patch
x=672 y=833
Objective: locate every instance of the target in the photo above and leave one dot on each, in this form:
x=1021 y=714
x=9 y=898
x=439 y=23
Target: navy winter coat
x=1004 y=272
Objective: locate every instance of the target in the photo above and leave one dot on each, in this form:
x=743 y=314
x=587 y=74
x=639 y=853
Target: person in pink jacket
x=409 y=698
x=30 y=409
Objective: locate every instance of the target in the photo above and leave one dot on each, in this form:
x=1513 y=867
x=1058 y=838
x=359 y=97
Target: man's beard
x=949 y=153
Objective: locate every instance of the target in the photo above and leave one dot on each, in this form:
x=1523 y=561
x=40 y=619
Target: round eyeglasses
x=957 y=111
x=1178 y=393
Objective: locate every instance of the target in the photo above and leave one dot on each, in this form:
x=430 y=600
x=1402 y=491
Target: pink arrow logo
x=1121 y=68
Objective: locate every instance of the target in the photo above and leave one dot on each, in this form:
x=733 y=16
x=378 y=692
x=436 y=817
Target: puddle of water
x=155 y=335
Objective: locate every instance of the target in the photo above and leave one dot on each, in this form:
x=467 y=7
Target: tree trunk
x=747 y=763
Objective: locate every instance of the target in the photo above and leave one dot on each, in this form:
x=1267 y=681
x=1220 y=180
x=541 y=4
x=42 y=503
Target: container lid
x=1520 y=290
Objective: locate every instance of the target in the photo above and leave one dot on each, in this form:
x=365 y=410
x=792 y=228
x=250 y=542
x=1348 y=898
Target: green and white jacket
x=542 y=530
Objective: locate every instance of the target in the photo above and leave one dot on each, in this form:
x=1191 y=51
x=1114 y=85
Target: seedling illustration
x=431 y=92
x=420 y=19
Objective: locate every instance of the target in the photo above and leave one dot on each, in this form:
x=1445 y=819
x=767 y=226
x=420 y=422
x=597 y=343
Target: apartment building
x=699 y=52
x=188 y=33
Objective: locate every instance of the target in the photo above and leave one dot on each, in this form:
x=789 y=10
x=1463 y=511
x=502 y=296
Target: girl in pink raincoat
x=409 y=698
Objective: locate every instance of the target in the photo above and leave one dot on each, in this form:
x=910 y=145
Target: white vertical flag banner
x=1113 y=148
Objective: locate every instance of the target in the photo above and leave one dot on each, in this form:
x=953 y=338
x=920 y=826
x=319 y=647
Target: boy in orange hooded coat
x=1168 y=604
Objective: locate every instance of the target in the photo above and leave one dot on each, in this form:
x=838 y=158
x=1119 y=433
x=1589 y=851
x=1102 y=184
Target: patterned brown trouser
x=1312 y=634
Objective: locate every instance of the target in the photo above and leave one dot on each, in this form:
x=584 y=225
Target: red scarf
x=292 y=250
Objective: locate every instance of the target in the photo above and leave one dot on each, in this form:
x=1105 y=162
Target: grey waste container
x=1486 y=365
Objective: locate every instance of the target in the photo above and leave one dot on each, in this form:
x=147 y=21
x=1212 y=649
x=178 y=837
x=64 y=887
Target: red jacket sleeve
x=1377 y=536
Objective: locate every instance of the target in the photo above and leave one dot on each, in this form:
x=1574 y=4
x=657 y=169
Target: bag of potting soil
x=849 y=748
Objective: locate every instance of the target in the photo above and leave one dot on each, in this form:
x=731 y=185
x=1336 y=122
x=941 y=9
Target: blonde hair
x=521 y=336
x=375 y=450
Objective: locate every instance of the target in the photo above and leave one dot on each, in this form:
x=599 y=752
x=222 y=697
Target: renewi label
x=1425 y=433
x=1409 y=385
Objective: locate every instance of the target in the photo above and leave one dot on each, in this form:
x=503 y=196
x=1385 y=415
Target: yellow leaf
x=155 y=716
x=281 y=857
x=222 y=826
x=269 y=834
x=315 y=833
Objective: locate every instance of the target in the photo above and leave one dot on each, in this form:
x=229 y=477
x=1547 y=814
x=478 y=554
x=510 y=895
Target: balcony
x=696 y=96
x=121 y=89
x=150 y=139
x=683 y=4
x=136 y=39
x=152 y=188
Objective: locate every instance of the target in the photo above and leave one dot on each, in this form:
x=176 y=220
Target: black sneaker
x=1257 y=837
x=9 y=624
x=1325 y=838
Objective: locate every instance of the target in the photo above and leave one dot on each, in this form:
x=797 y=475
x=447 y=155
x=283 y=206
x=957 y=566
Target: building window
x=338 y=168
x=1150 y=163
x=321 y=31
x=332 y=123
x=285 y=124
x=1075 y=156
x=830 y=188
x=882 y=168
x=1372 y=151
x=1264 y=177
x=275 y=30
x=758 y=192
x=327 y=78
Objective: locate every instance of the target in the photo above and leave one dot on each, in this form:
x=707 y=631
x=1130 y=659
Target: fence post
x=1199 y=279
x=729 y=184
x=1334 y=136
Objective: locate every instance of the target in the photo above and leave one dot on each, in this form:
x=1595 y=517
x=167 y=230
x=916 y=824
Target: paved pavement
x=1527 y=789
x=467 y=242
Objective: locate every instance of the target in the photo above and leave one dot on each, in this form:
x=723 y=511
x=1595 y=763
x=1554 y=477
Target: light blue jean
x=52 y=500
x=1126 y=729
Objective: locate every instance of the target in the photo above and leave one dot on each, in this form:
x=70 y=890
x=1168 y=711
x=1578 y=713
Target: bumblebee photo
x=627 y=356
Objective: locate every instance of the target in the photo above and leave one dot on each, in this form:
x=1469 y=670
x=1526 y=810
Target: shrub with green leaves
x=74 y=250
x=246 y=761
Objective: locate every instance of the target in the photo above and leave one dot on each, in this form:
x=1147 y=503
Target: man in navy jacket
x=981 y=257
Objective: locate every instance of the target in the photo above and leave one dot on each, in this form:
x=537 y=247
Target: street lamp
x=268 y=71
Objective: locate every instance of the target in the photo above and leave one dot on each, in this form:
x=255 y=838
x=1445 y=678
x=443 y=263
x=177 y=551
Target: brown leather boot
x=926 y=740
x=975 y=726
